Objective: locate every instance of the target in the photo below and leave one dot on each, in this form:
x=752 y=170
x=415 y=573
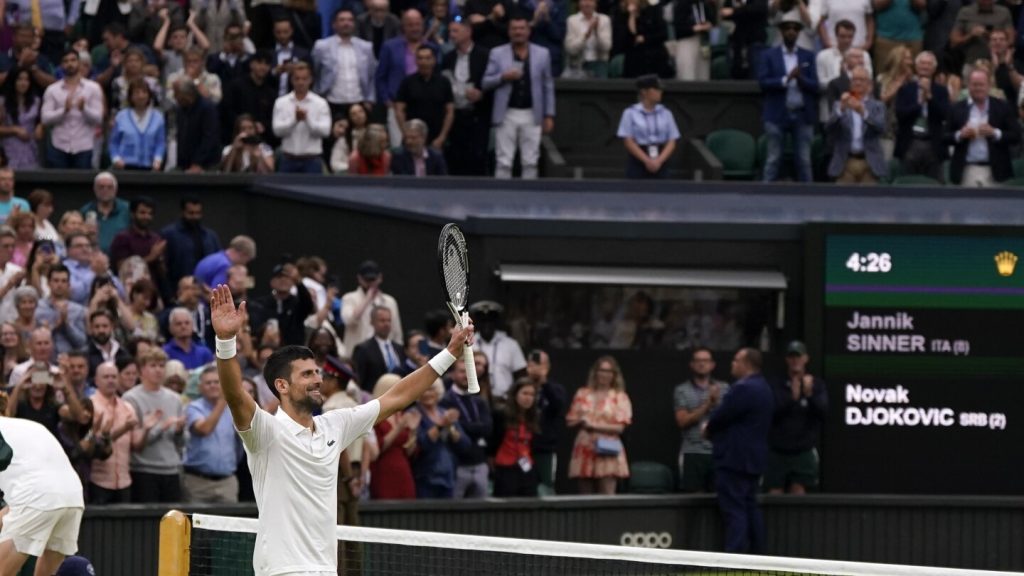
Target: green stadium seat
x=650 y=478
x=615 y=66
x=1018 y=168
x=915 y=180
x=720 y=68
x=736 y=150
x=895 y=169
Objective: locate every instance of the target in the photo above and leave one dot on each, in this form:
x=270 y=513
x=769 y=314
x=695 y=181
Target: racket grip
x=467 y=358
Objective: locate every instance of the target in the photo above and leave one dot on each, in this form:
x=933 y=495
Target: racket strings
x=455 y=269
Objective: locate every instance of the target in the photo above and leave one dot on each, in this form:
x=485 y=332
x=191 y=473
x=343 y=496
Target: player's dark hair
x=279 y=365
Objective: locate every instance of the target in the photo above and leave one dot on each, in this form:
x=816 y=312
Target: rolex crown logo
x=1005 y=263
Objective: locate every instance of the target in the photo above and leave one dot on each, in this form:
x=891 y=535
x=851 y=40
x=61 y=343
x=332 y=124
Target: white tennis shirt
x=40 y=475
x=295 y=478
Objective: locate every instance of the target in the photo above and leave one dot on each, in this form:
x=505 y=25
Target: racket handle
x=467 y=358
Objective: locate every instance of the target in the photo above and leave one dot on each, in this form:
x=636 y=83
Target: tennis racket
x=453 y=265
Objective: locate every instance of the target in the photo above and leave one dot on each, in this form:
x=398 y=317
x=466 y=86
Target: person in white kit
x=44 y=496
x=293 y=455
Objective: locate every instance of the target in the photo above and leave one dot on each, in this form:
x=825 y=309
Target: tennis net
x=223 y=546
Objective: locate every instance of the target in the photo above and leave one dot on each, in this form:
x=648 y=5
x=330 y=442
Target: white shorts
x=34 y=531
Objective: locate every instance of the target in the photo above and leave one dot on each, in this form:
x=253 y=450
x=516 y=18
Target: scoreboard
x=922 y=342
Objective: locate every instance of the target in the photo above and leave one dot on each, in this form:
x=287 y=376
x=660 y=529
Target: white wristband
x=226 y=349
x=442 y=362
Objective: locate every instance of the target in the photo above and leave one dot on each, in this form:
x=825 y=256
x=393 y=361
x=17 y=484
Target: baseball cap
x=796 y=348
x=486 y=308
x=76 y=566
x=648 y=81
x=369 y=270
x=277 y=270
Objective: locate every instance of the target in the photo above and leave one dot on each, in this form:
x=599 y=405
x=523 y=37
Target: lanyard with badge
x=524 y=451
x=652 y=131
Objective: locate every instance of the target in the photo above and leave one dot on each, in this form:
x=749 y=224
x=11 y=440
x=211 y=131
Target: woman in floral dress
x=601 y=410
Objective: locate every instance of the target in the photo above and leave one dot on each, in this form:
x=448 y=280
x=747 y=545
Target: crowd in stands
x=106 y=341
x=886 y=94
x=416 y=88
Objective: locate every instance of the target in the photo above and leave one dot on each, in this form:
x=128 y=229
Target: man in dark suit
x=232 y=61
x=465 y=67
x=789 y=81
x=921 y=109
x=252 y=93
x=198 y=125
x=286 y=54
x=739 y=429
x=416 y=158
x=855 y=128
x=377 y=25
x=981 y=129
x=378 y=355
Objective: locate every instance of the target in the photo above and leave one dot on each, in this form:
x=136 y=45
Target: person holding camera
x=247 y=152
x=41 y=393
x=40 y=349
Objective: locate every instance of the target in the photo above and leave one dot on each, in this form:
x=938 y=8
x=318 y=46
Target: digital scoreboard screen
x=923 y=342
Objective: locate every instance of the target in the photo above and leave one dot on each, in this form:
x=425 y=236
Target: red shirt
x=369 y=167
x=515 y=445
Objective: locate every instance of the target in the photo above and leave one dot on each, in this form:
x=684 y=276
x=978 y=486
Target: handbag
x=608 y=446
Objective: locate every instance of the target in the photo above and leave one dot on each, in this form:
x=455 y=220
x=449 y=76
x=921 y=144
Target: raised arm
x=227 y=322
x=409 y=388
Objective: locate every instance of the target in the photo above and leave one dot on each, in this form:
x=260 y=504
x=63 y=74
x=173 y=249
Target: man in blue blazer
x=393 y=66
x=520 y=75
x=331 y=54
x=789 y=80
x=855 y=128
x=738 y=430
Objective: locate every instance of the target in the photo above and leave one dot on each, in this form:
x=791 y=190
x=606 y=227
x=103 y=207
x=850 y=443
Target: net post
x=175 y=539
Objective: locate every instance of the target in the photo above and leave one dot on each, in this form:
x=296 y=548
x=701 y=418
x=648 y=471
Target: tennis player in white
x=45 y=498
x=293 y=456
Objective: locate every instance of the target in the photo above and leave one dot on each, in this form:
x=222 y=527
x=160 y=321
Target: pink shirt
x=73 y=131
x=113 y=473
